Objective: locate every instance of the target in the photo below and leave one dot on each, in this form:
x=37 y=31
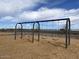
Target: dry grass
x=47 y=48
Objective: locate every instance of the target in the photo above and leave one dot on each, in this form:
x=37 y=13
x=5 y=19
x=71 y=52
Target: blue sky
x=13 y=11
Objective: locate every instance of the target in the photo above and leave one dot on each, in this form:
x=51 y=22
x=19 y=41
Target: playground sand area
x=48 y=47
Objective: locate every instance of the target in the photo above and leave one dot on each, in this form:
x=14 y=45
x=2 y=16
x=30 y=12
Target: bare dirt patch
x=47 y=48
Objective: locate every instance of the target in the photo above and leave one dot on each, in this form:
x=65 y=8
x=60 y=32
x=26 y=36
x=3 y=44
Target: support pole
x=69 y=31
x=66 y=42
x=33 y=33
x=38 y=31
x=15 y=31
x=21 y=31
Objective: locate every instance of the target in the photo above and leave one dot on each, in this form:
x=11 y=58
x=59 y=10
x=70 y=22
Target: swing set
x=67 y=29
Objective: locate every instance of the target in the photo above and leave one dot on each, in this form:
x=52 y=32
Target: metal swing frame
x=67 y=32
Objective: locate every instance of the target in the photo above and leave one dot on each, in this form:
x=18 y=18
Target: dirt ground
x=47 y=48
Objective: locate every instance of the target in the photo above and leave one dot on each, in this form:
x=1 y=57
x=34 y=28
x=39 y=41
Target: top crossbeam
x=43 y=21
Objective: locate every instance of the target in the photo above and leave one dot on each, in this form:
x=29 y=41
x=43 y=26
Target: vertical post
x=66 y=42
x=69 y=31
x=38 y=31
x=33 y=33
x=21 y=31
x=15 y=31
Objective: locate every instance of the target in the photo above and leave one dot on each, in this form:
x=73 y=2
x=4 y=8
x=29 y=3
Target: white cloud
x=12 y=11
x=28 y=16
x=7 y=18
x=13 y=7
x=42 y=14
x=54 y=13
x=10 y=7
x=45 y=14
